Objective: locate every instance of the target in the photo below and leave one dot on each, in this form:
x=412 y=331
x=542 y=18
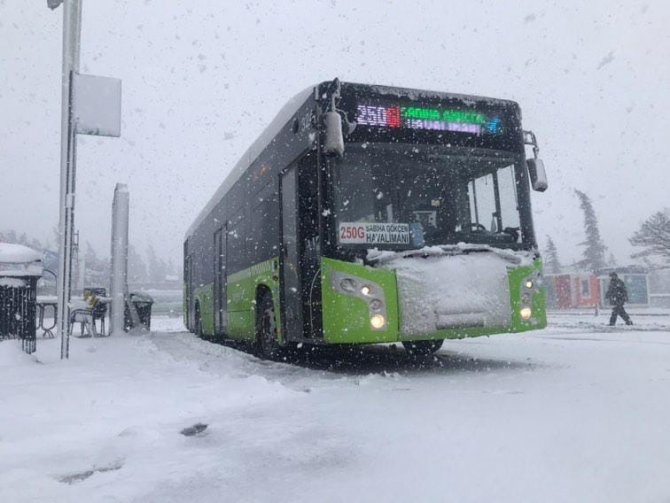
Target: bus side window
x=265 y=223
x=237 y=250
x=308 y=203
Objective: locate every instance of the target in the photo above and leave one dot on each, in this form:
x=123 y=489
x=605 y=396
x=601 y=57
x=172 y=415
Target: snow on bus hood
x=445 y=287
x=518 y=258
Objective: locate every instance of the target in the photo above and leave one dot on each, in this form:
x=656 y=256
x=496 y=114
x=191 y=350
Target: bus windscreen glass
x=386 y=197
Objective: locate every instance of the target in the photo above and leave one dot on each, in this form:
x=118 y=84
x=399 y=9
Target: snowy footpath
x=578 y=412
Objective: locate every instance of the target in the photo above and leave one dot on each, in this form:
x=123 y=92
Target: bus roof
x=418 y=94
x=284 y=115
x=288 y=111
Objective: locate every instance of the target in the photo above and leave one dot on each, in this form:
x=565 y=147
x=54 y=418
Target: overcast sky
x=201 y=79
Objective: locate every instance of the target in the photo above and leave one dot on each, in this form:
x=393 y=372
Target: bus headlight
x=368 y=291
x=376 y=304
x=377 y=321
x=348 y=285
x=530 y=286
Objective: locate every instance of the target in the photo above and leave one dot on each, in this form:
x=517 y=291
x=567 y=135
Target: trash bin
x=20 y=268
x=137 y=313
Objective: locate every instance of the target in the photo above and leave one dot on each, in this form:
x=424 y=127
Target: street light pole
x=71 y=41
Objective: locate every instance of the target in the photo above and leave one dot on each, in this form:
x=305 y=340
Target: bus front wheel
x=422 y=348
x=266 y=328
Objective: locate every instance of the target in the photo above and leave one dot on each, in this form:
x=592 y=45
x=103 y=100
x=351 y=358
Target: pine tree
x=594 y=251
x=157 y=266
x=23 y=239
x=137 y=269
x=55 y=232
x=97 y=269
x=611 y=260
x=654 y=236
x=551 y=263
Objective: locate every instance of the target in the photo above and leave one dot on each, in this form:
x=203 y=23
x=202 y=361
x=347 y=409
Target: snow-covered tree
x=9 y=237
x=594 y=251
x=157 y=266
x=654 y=237
x=173 y=270
x=137 y=268
x=611 y=260
x=90 y=255
x=12 y=237
x=97 y=269
x=551 y=263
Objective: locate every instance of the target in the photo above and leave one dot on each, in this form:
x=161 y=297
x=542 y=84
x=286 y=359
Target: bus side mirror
x=333 y=139
x=538 y=176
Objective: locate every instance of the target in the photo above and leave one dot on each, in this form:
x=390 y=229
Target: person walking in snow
x=618 y=296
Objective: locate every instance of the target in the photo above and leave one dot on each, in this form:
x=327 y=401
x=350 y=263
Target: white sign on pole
x=97 y=105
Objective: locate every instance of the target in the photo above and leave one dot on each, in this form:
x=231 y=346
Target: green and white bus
x=369 y=214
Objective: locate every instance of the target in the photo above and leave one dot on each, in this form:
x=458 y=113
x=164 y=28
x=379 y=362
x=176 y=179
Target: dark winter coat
x=617 y=293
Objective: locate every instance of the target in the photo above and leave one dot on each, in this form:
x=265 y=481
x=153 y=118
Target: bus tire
x=422 y=348
x=266 y=328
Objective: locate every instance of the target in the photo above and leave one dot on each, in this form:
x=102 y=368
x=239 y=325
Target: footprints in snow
x=76 y=477
x=73 y=478
x=193 y=430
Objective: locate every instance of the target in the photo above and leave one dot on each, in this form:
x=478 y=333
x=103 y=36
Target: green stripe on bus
x=241 y=298
x=204 y=296
x=346 y=319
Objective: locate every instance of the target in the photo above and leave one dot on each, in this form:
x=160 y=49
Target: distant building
x=572 y=290
x=587 y=290
x=659 y=288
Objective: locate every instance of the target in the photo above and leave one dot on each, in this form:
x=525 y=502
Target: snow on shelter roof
x=282 y=118
x=13 y=254
x=19 y=260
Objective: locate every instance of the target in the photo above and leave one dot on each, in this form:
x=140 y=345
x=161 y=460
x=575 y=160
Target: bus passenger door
x=220 y=312
x=291 y=305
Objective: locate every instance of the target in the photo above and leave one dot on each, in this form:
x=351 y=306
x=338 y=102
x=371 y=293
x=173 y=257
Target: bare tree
x=654 y=236
x=594 y=251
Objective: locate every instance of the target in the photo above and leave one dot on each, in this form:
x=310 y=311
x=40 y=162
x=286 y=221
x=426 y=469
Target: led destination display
x=435 y=119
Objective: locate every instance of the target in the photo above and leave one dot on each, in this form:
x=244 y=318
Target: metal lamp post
x=71 y=42
x=90 y=105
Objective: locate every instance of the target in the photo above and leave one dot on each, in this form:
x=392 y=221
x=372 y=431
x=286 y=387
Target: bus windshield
x=433 y=195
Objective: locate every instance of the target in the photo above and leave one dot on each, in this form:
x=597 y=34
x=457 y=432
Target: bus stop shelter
x=20 y=268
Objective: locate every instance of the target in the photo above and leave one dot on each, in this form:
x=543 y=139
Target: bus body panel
x=243 y=290
x=538 y=300
x=346 y=317
x=204 y=298
x=235 y=209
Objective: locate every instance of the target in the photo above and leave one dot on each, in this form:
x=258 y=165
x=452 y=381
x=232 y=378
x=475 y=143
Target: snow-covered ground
x=577 y=412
